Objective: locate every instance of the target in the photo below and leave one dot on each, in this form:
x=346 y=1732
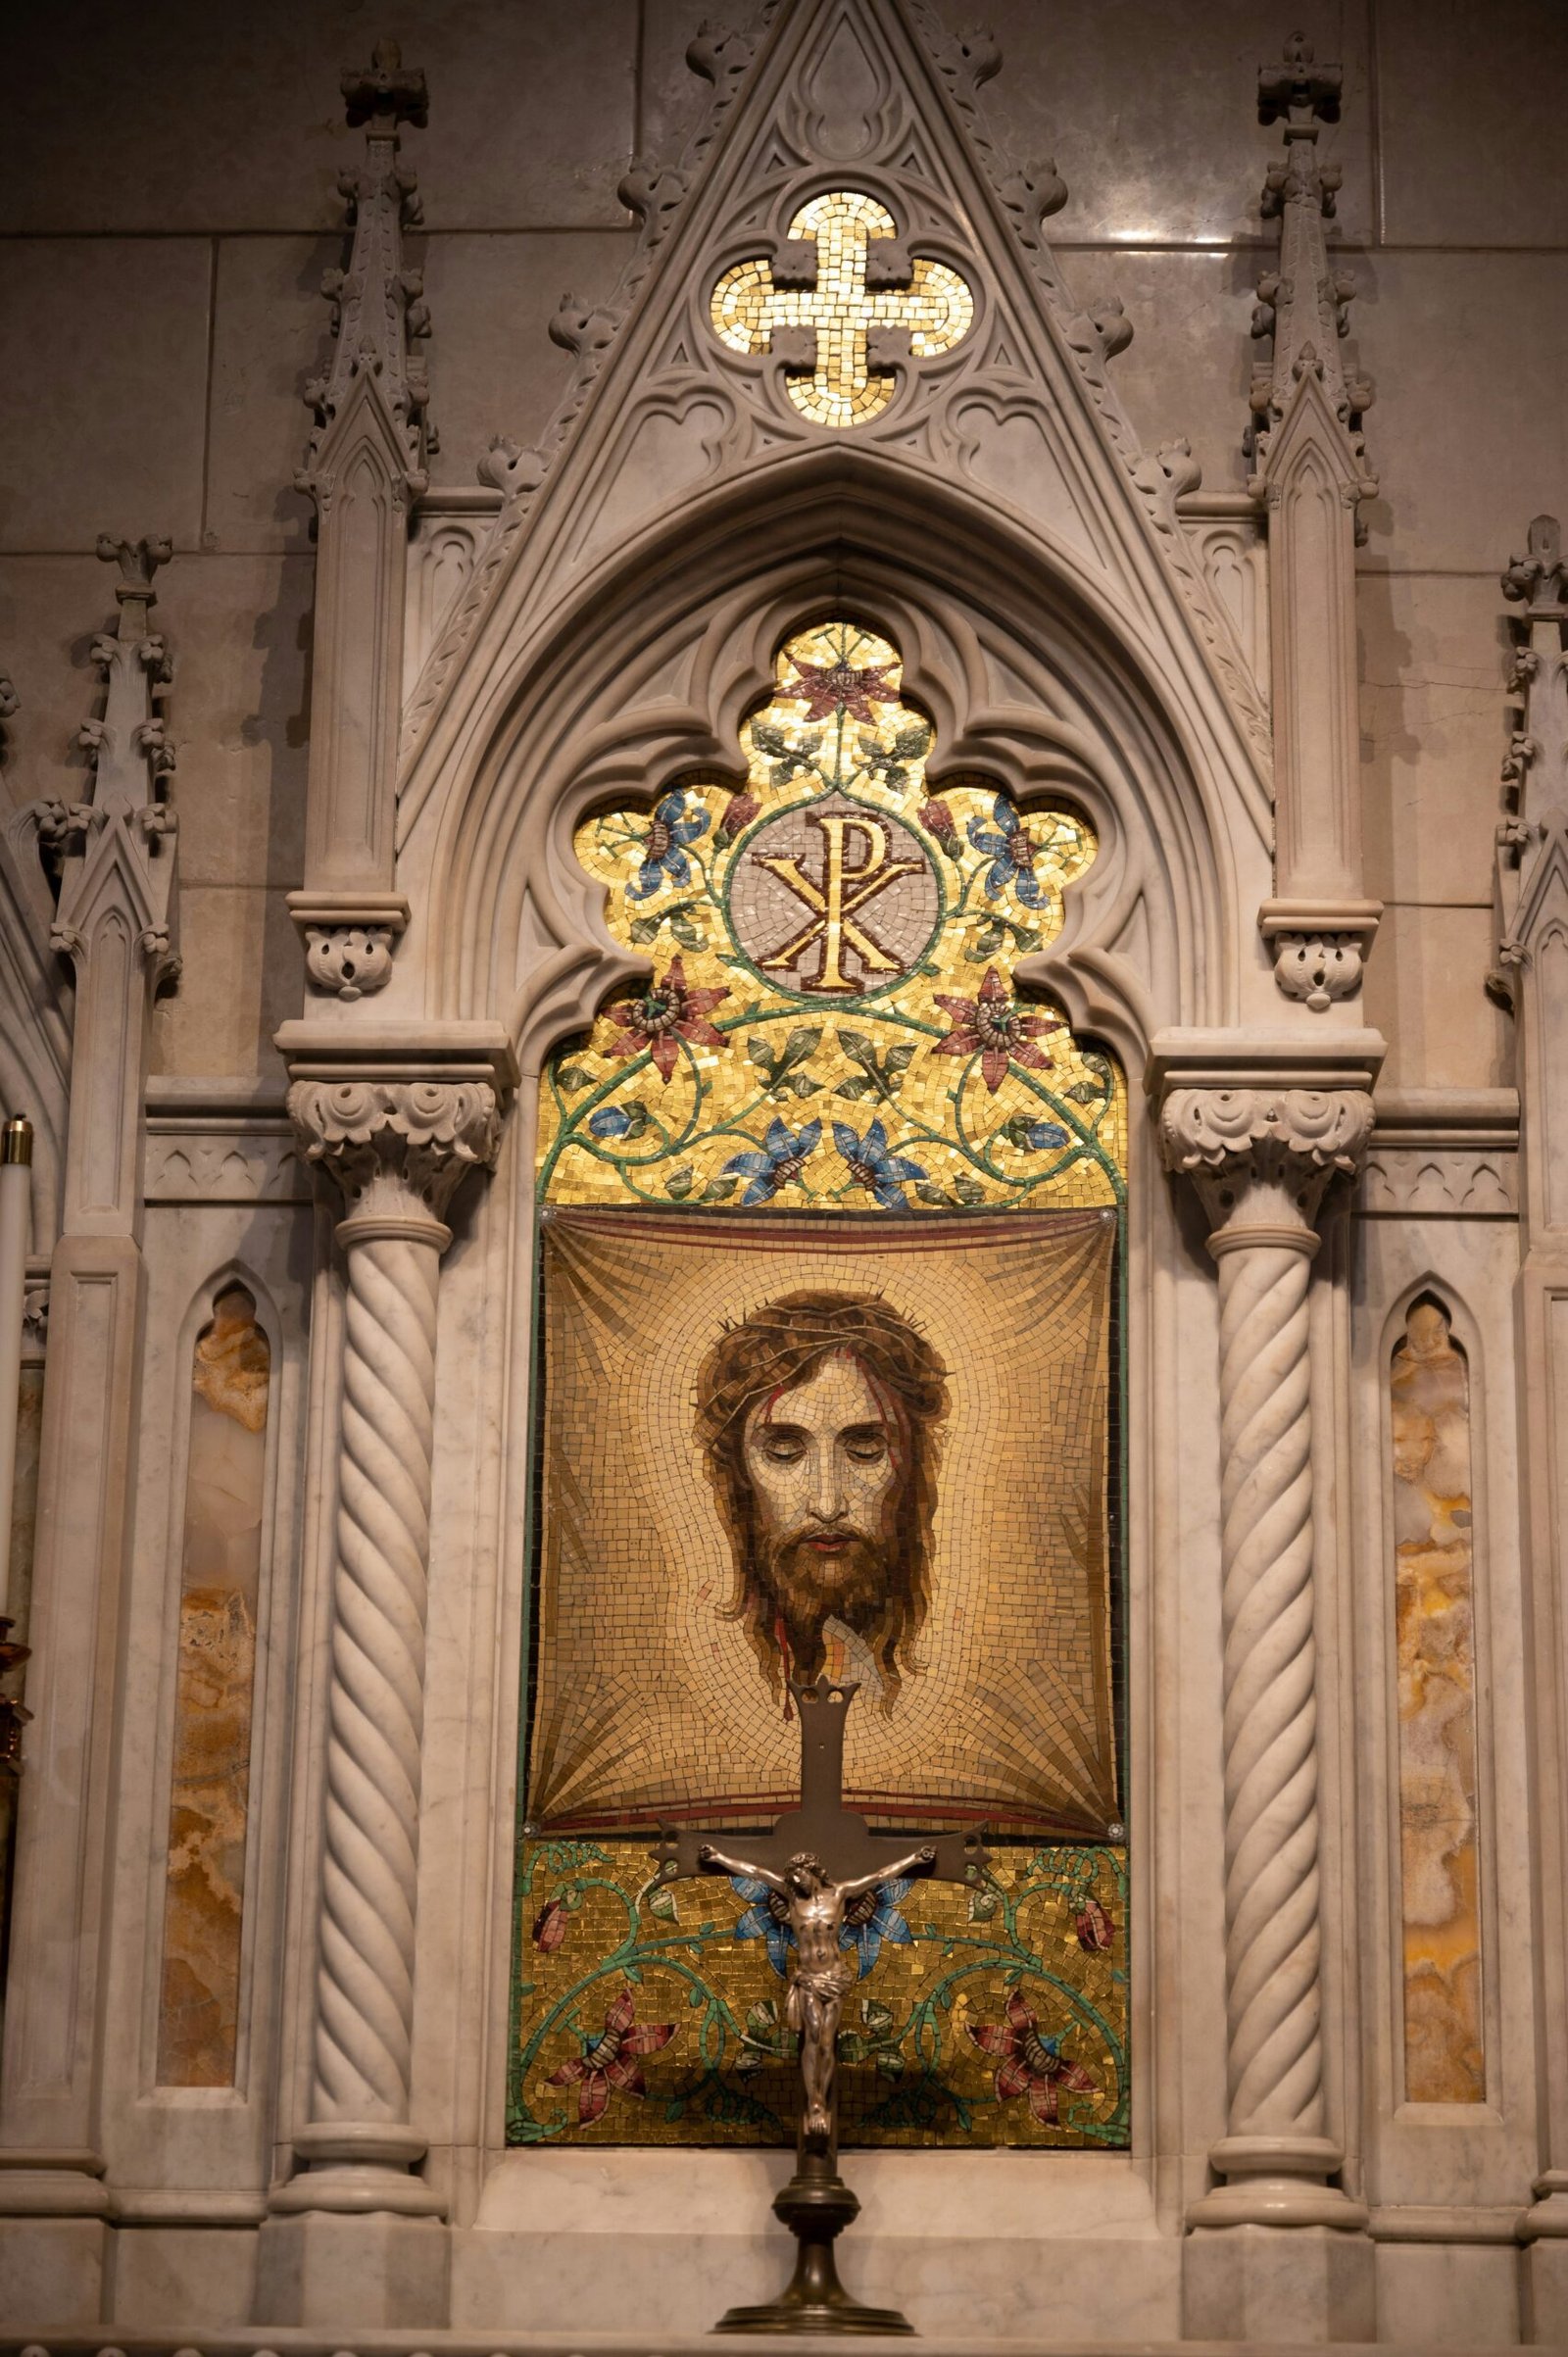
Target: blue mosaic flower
x=664 y=845
x=761 y=1923
x=778 y=1163
x=1011 y=853
x=1038 y=1136
x=873 y=1166
x=610 y=1122
x=884 y=1922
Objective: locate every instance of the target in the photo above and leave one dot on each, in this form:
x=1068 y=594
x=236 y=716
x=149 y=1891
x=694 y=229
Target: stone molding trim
x=397 y=1129
x=1443 y=1154
x=1261 y=1150
x=221 y=1141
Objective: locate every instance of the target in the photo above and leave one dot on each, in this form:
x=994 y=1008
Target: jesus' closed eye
x=817 y=1415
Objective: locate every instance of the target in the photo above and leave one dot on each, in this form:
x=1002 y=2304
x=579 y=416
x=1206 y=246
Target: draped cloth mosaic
x=828 y=1176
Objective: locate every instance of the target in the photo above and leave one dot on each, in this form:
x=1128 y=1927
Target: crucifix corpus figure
x=817 y=1861
x=822 y=1973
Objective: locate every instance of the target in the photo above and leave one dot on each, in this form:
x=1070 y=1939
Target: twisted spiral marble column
x=399 y=1151
x=1272 y=1940
x=1261 y=1161
x=364 y=1999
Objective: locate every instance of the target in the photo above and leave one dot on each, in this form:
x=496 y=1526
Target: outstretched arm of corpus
x=719 y=1861
x=918 y=1861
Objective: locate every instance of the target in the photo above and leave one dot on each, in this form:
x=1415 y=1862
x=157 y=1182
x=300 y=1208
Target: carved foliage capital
x=399 y=1150
x=1261 y=1159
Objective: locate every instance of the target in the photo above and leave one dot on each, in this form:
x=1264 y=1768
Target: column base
x=360 y=2274
x=1543 y=2263
x=1272 y=2284
x=1277 y=2181
x=353 y=2169
x=53 y=2271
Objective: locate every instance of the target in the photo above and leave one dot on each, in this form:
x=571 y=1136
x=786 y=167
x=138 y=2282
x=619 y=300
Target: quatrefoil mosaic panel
x=860 y=292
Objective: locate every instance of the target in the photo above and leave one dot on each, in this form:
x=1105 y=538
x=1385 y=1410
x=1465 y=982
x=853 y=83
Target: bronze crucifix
x=819 y=1858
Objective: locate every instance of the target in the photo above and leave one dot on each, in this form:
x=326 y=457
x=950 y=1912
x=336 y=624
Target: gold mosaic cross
x=856 y=291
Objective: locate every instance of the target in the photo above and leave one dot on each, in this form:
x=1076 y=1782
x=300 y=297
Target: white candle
x=16 y=1219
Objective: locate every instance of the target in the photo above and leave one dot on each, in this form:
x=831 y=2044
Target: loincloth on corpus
x=827 y=1982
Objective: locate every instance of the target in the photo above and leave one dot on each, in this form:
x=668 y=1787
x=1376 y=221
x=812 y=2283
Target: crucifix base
x=816 y=2205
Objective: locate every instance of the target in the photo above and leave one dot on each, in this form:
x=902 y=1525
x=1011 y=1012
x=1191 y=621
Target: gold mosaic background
x=831 y=1024
x=743 y=1052
x=650 y=1704
x=937 y=307
x=706 y=2029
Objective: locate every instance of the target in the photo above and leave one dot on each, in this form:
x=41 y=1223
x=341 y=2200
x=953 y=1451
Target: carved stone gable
x=841 y=255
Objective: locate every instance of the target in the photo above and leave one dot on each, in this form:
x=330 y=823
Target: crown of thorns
x=784 y=1335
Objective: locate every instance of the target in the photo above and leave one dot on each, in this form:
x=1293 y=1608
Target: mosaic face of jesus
x=825 y=1483
x=818 y=1417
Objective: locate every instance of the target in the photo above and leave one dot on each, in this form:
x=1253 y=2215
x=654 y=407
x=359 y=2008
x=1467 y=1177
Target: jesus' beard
x=808 y=1588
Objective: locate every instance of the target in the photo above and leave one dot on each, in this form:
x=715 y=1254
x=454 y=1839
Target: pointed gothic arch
x=1030 y=668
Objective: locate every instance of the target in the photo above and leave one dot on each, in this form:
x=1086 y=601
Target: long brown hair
x=772 y=1351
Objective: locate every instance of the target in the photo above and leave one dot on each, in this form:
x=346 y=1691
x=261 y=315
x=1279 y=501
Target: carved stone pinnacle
x=385 y=90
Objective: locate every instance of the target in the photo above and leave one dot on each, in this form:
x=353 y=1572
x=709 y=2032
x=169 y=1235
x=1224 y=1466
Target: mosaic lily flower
x=551 y=1925
x=873 y=1166
x=735 y=817
x=1027 y=2063
x=937 y=818
x=608 y=2062
x=870 y=1920
x=874 y=1918
x=991 y=1028
x=1009 y=851
x=1094 y=1928
x=673 y=826
x=668 y=1012
x=826 y=688
x=778 y=1163
x=760 y=1922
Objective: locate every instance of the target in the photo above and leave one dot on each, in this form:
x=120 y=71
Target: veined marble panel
x=225 y=1497
x=1445 y=2059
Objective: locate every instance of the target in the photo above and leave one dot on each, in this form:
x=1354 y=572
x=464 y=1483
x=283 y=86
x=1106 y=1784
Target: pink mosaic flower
x=991 y=1028
x=1027 y=2063
x=937 y=820
x=1094 y=1928
x=826 y=688
x=735 y=817
x=667 y=1012
x=608 y=2062
x=550 y=1926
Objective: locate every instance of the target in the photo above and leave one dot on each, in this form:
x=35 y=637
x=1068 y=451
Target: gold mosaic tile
x=832 y=1027
x=937 y=307
x=976 y=1611
x=832 y=995
x=649 y=2015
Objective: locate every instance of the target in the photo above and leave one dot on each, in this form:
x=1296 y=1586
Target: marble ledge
x=286 y=2340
